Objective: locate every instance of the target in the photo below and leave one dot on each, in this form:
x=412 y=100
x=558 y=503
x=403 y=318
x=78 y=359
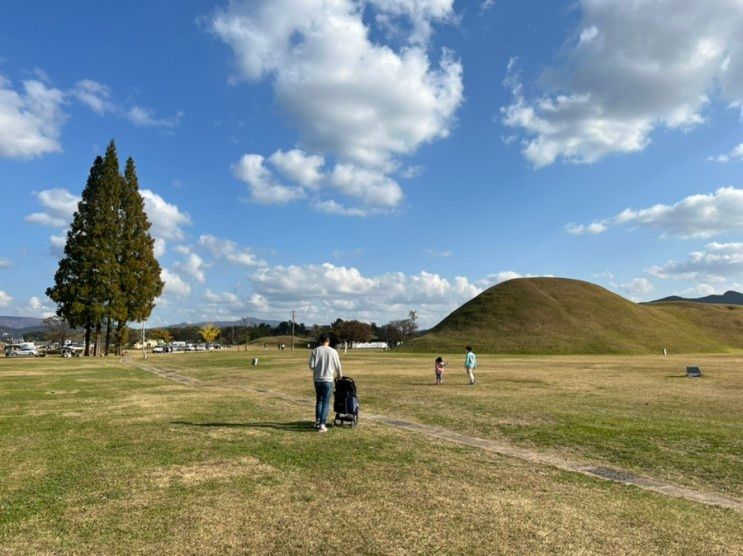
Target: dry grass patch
x=213 y=470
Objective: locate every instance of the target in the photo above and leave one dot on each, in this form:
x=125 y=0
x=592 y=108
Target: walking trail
x=491 y=446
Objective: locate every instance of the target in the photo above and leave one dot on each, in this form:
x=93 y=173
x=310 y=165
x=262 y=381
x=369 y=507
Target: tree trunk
x=97 y=335
x=119 y=330
x=108 y=335
x=87 y=338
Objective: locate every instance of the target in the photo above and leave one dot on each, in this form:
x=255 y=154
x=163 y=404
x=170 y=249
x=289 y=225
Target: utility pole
x=144 y=353
x=293 y=315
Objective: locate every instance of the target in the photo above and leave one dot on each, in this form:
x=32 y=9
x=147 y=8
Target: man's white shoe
x=322 y=428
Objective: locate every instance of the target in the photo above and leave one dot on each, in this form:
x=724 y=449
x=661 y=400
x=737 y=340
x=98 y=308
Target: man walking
x=470 y=362
x=326 y=367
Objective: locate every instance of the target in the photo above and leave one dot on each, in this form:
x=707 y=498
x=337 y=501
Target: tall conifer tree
x=75 y=282
x=109 y=271
x=139 y=271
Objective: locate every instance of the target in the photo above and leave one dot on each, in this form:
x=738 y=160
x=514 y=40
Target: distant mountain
x=250 y=321
x=728 y=298
x=18 y=323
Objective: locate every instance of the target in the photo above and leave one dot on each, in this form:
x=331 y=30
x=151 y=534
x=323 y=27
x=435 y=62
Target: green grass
x=562 y=316
x=101 y=458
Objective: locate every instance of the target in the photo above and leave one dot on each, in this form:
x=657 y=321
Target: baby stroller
x=345 y=403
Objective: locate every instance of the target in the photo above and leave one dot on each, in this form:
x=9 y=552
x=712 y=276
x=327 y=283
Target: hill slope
x=558 y=315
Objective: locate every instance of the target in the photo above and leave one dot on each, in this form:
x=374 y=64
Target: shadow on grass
x=298 y=426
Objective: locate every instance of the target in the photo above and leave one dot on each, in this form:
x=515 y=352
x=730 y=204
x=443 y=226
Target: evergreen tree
x=76 y=283
x=110 y=217
x=139 y=271
x=109 y=271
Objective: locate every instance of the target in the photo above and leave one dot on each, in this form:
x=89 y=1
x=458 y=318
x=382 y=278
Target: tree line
x=109 y=275
x=339 y=331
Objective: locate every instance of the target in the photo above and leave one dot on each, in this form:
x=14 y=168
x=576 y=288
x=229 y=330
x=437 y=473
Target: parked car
x=13 y=351
x=158 y=349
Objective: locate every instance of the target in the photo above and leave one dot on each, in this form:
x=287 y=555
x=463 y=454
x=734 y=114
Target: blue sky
x=360 y=159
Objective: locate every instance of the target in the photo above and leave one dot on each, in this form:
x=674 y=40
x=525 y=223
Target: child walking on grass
x=439 y=369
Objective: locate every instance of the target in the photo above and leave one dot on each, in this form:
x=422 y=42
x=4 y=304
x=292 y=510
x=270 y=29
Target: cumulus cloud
x=360 y=101
x=31 y=120
x=696 y=216
x=736 y=153
x=634 y=67
x=324 y=292
x=333 y=207
x=371 y=187
x=5 y=299
x=716 y=262
x=174 y=284
x=36 y=308
x=166 y=218
x=637 y=288
x=193 y=266
x=296 y=165
x=264 y=188
x=228 y=250
x=145 y=117
x=227 y=298
x=60 y=205
x=94 y=95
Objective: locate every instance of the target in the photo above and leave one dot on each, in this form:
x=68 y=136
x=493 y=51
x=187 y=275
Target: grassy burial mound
x=558 y=315
x=273 y=341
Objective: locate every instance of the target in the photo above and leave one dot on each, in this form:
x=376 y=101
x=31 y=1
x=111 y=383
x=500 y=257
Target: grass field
x=100 y=457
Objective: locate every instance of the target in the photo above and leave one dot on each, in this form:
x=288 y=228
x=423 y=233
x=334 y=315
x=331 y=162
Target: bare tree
x=57 y=330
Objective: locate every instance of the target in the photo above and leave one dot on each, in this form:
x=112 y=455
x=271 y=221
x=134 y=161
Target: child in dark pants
x=439 y=368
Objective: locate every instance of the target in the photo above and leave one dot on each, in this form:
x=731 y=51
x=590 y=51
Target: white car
x=22 y=352
x=158 y=349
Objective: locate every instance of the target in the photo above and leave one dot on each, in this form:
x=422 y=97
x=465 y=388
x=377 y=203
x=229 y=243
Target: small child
x=439 y=368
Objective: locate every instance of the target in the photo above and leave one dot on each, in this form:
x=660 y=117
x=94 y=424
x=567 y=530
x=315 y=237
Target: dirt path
x=492 y=446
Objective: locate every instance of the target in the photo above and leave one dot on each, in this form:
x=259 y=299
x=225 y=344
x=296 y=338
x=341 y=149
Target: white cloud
x=370 y=186
x=438 y=253
x=736 y=153
x=263 y=187
x=4 y=263
x=296 y=165
x=59 y=205
x=166 y=218
x=333 y=207
x=580 y=229
x=420 y=13
x=358 y=100
x=94 y=95
x=716 y=263
x=145 y=117
x=637 y=288
x=5 y=299
x=696 y=216
x=323 y=292
x=223 y=298
x=636 y=66
x=228 y=250
x=192 y=266
x=174 y=284
x=36 y=308
x=31 y=121
x=699 y=290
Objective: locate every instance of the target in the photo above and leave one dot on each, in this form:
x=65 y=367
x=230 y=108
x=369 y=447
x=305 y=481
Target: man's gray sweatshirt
x=325 y=364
